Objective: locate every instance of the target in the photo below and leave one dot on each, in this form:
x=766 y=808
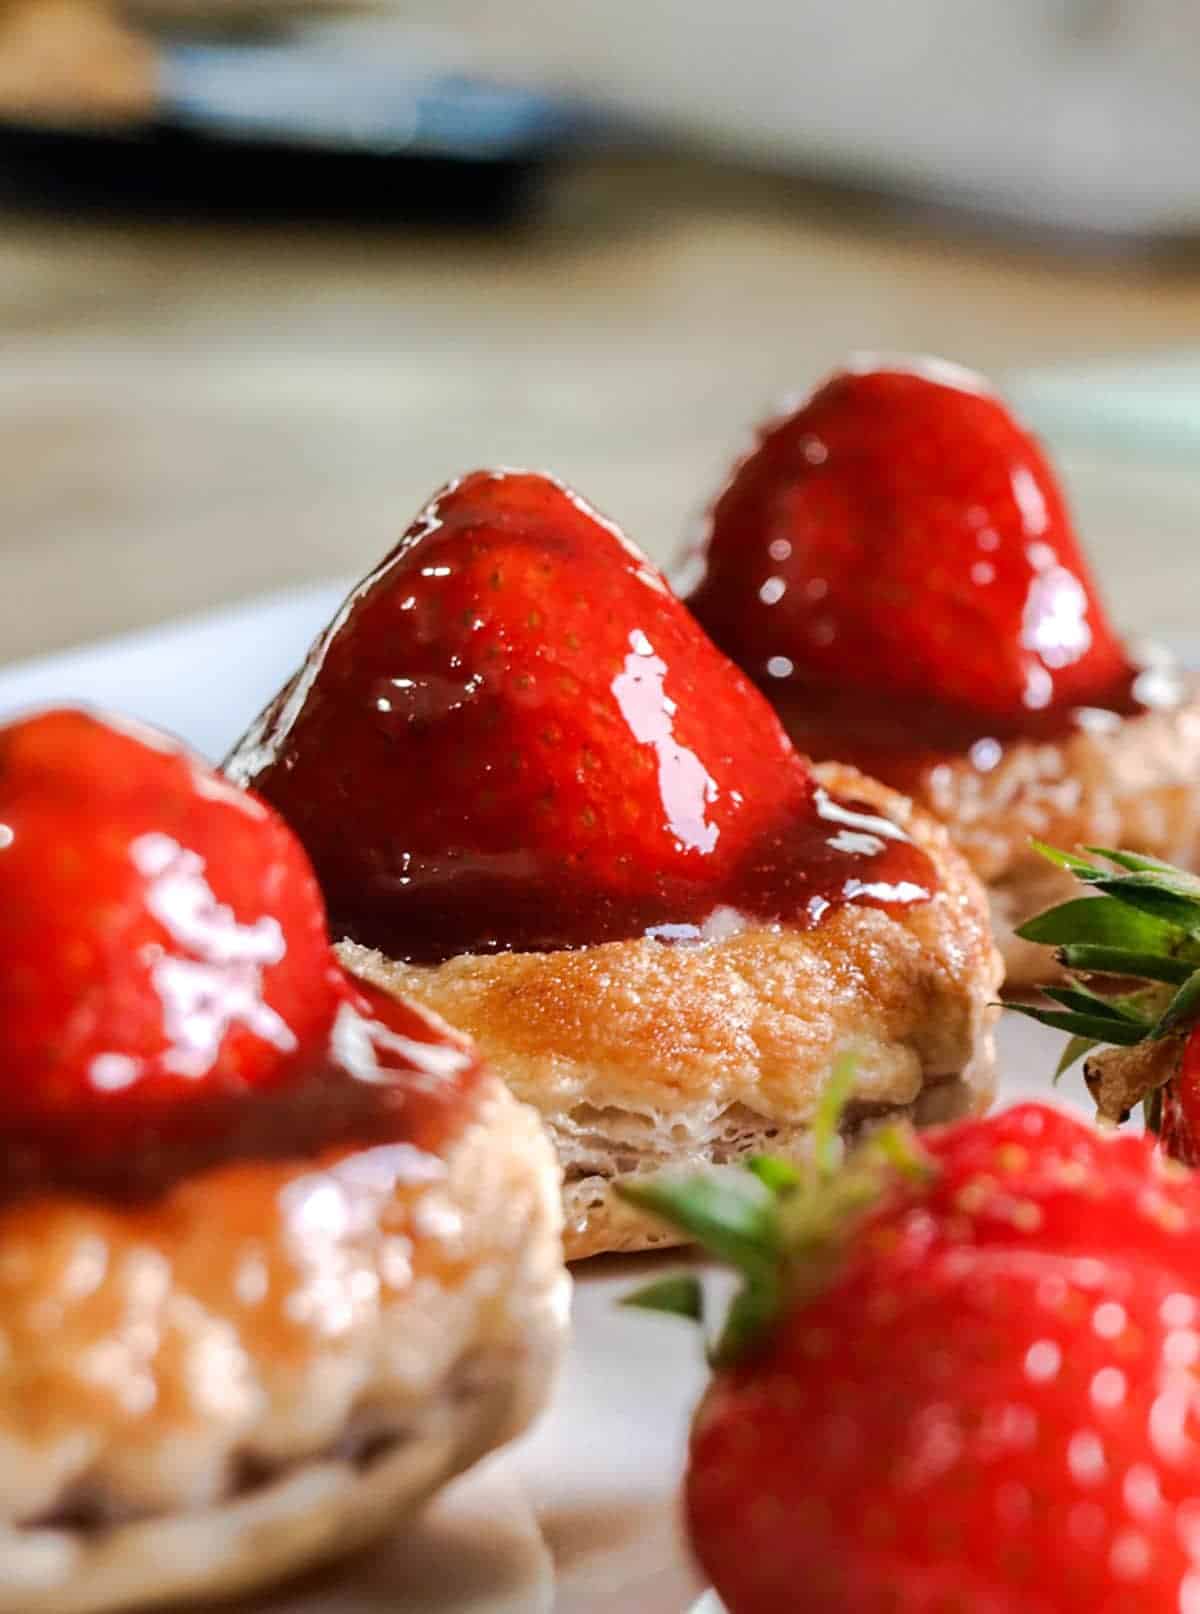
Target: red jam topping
x=899 y=740
x=168 y=998
x=824 y=854
x=514 y=737
x=389 y=1074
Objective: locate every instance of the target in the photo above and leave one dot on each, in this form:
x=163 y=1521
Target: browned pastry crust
x=267 y=1365
x=643 y=1054
x=1132 y=782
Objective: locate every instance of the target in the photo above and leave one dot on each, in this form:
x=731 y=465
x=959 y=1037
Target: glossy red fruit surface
x=1179 y=1131
x=515 y=736
x=167 y=991
x=991 y=1405
x=896 y=555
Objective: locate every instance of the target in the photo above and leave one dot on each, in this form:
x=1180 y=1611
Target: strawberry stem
x=826 y=1134
x=680 y=1295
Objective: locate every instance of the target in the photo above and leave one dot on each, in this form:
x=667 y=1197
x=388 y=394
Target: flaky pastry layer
x=644 y=1053
x=268 y=1364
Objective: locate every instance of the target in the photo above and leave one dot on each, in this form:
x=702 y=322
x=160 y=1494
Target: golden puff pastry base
x=1131 y=783
x=641 y=1054
x=344 y=1371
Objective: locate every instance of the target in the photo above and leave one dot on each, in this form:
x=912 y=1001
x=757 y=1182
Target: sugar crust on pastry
x=1132 y=782
x=642 y=1054
x=268 y=1365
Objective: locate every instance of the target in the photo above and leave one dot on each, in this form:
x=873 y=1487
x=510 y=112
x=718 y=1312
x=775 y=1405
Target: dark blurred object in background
x=1056 y=116
x=356 y=118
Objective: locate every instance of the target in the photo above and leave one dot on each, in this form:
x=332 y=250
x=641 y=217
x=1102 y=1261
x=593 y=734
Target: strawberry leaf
x=1097 y=1027
x=1066 y=860
x=680 y=1295
x=827 y=1120
x=1085 y=1001
x=778 y=1175
x=1183 y=1008
x=1142 y=925
x=1151 y=893
x=1137 y=863
x=1076 y=1049
x=1167 y=878
x=1102 y=922
x=1091 y=960
x=733 y=1214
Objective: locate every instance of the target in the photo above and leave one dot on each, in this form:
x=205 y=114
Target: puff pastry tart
x=278 y=1256
x=540 y=802
x=895 y=566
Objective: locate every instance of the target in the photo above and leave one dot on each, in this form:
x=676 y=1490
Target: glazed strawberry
x=164 y=960
x=959 y=1396
x=279 y=1258
x=900 y=535
x=1133 y=992
x=514 y=735
x=157 y=926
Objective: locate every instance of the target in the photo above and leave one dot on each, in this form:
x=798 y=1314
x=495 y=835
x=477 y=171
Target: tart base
x=1132 y=782
x=645 y=1054
x=498 y=1315
x=321 y=1511
x=599 y=1222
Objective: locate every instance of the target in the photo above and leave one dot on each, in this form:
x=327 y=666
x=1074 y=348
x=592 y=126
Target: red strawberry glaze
x=386 y=1074
x=168 y=997
x=899 y=740
x=513 y=736
x=895 y=565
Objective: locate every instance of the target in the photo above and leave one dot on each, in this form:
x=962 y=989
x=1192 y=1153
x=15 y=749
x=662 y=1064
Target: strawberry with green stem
x=1131 y=1002
x=959 y=1375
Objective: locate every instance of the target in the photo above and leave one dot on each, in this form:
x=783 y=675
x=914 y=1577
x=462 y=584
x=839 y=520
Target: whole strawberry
x=515 y=736
x=1132 y=999
x=168 y=993
x=961 y=1376
x=899 y=535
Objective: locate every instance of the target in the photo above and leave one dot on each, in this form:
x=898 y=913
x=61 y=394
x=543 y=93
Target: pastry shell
x=270 y=1365
x=643 y=1054
x=1130 y=782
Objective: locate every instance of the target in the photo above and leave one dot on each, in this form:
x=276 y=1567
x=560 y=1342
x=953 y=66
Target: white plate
x=580 y=1517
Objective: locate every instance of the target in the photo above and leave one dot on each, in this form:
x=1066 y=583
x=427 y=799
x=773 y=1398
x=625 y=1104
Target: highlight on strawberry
x=960 y=1372
x=169 y=997
x=1131 y=998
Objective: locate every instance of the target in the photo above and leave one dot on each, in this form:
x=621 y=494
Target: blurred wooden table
x=191 y=413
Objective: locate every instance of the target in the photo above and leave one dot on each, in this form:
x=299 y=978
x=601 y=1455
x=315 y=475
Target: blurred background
x=269 y=274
